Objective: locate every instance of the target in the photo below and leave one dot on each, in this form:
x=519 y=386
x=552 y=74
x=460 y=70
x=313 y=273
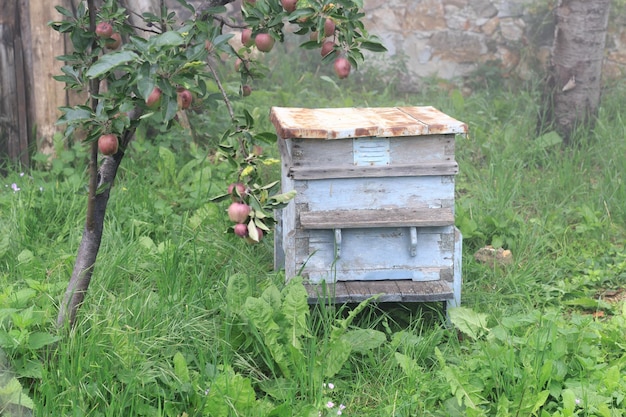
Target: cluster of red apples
x=264 y=42
x=108 y=143
x=239 y=212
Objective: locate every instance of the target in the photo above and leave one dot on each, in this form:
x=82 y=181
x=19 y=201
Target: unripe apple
x=327 y=48
x=104 y=30
x=241 y=190
x=246 y=37
x=289 y=5
x=154 y=99
x=184 y=99
x=329 y=27
x=246 y=90
x=238 y=212
x=241 y=229
x=342 y=67
x=264 y=42
x=114 y=41
x=313 y=36
x=107 y=144
x=257 y=150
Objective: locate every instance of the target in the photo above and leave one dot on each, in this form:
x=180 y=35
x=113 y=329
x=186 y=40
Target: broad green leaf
x=37 y=340
x=295 y=310
x=364 y=340
x=13 y=394
x=170 y=38
x=238 y=290
x=569 y=400
x=548 y=140
x=469 y=322
x=373 y=46
x=180 y=368
x=25 y=256
x=75 y=114
x=109 y=62
x=542 y=397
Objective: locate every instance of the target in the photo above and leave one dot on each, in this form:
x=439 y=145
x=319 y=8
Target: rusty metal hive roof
x=342 y=123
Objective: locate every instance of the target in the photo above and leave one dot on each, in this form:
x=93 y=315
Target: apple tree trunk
x=577 y=57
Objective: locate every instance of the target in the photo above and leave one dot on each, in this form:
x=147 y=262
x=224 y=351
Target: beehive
x=374 y=209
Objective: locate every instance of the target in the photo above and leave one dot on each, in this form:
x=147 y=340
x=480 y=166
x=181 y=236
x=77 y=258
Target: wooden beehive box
x=374 y=209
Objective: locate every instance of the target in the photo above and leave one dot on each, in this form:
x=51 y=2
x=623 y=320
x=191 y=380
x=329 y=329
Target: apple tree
x=134 y=76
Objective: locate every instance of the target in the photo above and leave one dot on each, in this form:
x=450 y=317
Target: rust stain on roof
x=342 y=123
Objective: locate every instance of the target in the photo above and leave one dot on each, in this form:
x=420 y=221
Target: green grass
x=185 y=319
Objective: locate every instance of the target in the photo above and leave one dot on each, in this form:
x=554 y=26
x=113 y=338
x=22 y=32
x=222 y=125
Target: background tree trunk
x=577 y=57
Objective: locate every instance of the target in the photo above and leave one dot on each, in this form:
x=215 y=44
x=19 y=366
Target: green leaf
x=109 y=62
x=295 y=310
x=337 y=353
x=37 y=340
x=65 y=12
x=469 y=322
x=170 y=38
x=238 y=290
x=542 y=397
x=373 y=46
x=180 y=368
x=408 y=365
x=284 y=197
x=549 y=140
x=76 y=114
x=364 y=340
x=13 y=393
x=310 y=45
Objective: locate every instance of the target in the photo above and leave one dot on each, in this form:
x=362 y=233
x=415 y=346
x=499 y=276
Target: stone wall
x=451 y=39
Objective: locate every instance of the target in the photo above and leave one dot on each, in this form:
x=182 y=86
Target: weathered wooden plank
x=407 y=150
x=376 y=192
x=373 y=254
x=390 y=291
x=322 y=172
x=401 y=217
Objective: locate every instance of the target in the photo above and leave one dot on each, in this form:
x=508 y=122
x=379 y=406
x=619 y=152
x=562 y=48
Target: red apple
x=241 y=190
x=208 y=45
x=104 y=30
x=238 y=212
x=327 y=48
x=246 y=90
x=329 y=27
x=154 y=99
x=114 y=41
x=289 y=5
x=238 y=63
x=246 y=37
x=241 y=229
x=107 y=144
x=184 y=99
x=342 y=67
x=264 y=42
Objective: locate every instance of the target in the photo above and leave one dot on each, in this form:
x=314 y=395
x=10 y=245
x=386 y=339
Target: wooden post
x=29 y=96
x=46 y=45
x=13 y=107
